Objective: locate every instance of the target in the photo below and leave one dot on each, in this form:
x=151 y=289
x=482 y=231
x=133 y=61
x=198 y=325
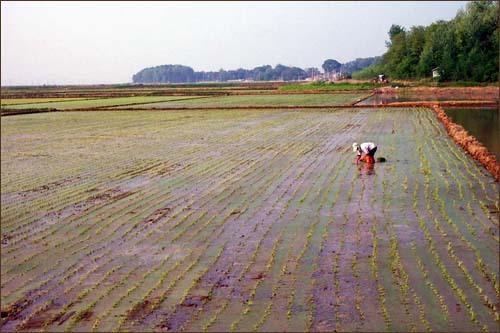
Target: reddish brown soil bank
x=469 y=143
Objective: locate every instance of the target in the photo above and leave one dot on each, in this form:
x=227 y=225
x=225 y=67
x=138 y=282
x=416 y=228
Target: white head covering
x=355 y=146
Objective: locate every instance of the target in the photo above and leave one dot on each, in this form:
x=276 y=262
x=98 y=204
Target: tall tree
x=331 y=65
x=464 y=48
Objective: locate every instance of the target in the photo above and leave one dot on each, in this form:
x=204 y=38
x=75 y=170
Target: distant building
x=436 y=72
x=318 y=77
x=336 y=76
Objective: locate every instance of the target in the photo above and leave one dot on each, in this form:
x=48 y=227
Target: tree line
x=185 y=74
x=462 y=49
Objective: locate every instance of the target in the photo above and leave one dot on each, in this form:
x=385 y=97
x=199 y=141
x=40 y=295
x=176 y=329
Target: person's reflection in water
x=366 y=168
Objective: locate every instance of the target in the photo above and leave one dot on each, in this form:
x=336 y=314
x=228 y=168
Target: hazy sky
x=107 y=42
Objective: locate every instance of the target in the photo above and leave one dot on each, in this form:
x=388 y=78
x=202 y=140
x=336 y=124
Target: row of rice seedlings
x=431 y=286
x=175 y=281
x=39 y=290
x=438 y=298
x=33 y=183
x=39 y=310
x=484 y=269
x=219 y=224
x=41 y=236
x=94 y=291
x=274 y=293
x=53 y=188
x=64 y=193
x=88 y=254
x=304 y=268
x=286 y=205
x=398 y=272
x=118 y=126
x=293 y=197
x=381 y=119
x=486 y=300
x=78 y=298
x=229 y=194
x=172 y=268
x=37 y=293
x=105 y=312
x=488 y=229
x=253 y=256
x=403 y=282
x=329 y=225
x=207 y=194
x=479 y=171
x=336 y=261
x=210 y=294
x=433 y=251
x=470 y=166
x=442 y=212
x=402 y=276
x=380 y=287
x=253 y=290
x=354 y=262
x=87 y=308
x=304 y=248
x=445 y=274
x=186 y=292
x=251 y=261
x=234 y=177
x=486 y=211
x=465 y=163
x=404 y=208
x=226 y=195
x=468 y=244
x=76 y=237
x=226 y=266
x=471 y=229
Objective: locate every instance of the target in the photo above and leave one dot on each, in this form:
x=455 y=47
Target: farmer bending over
x=367 y=148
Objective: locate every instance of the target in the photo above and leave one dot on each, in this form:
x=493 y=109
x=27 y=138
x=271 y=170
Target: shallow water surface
x=382 y=99
x=482 y=123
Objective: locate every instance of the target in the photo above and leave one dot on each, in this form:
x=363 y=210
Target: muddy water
x=482 y=123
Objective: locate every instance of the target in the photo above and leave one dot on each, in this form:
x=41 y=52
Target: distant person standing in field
x=367 y=148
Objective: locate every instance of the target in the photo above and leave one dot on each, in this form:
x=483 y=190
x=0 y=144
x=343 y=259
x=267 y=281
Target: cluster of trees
x=358 y=64
x=185 y=74
x=182 y=74
x=462 y=49
x=331 y=66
